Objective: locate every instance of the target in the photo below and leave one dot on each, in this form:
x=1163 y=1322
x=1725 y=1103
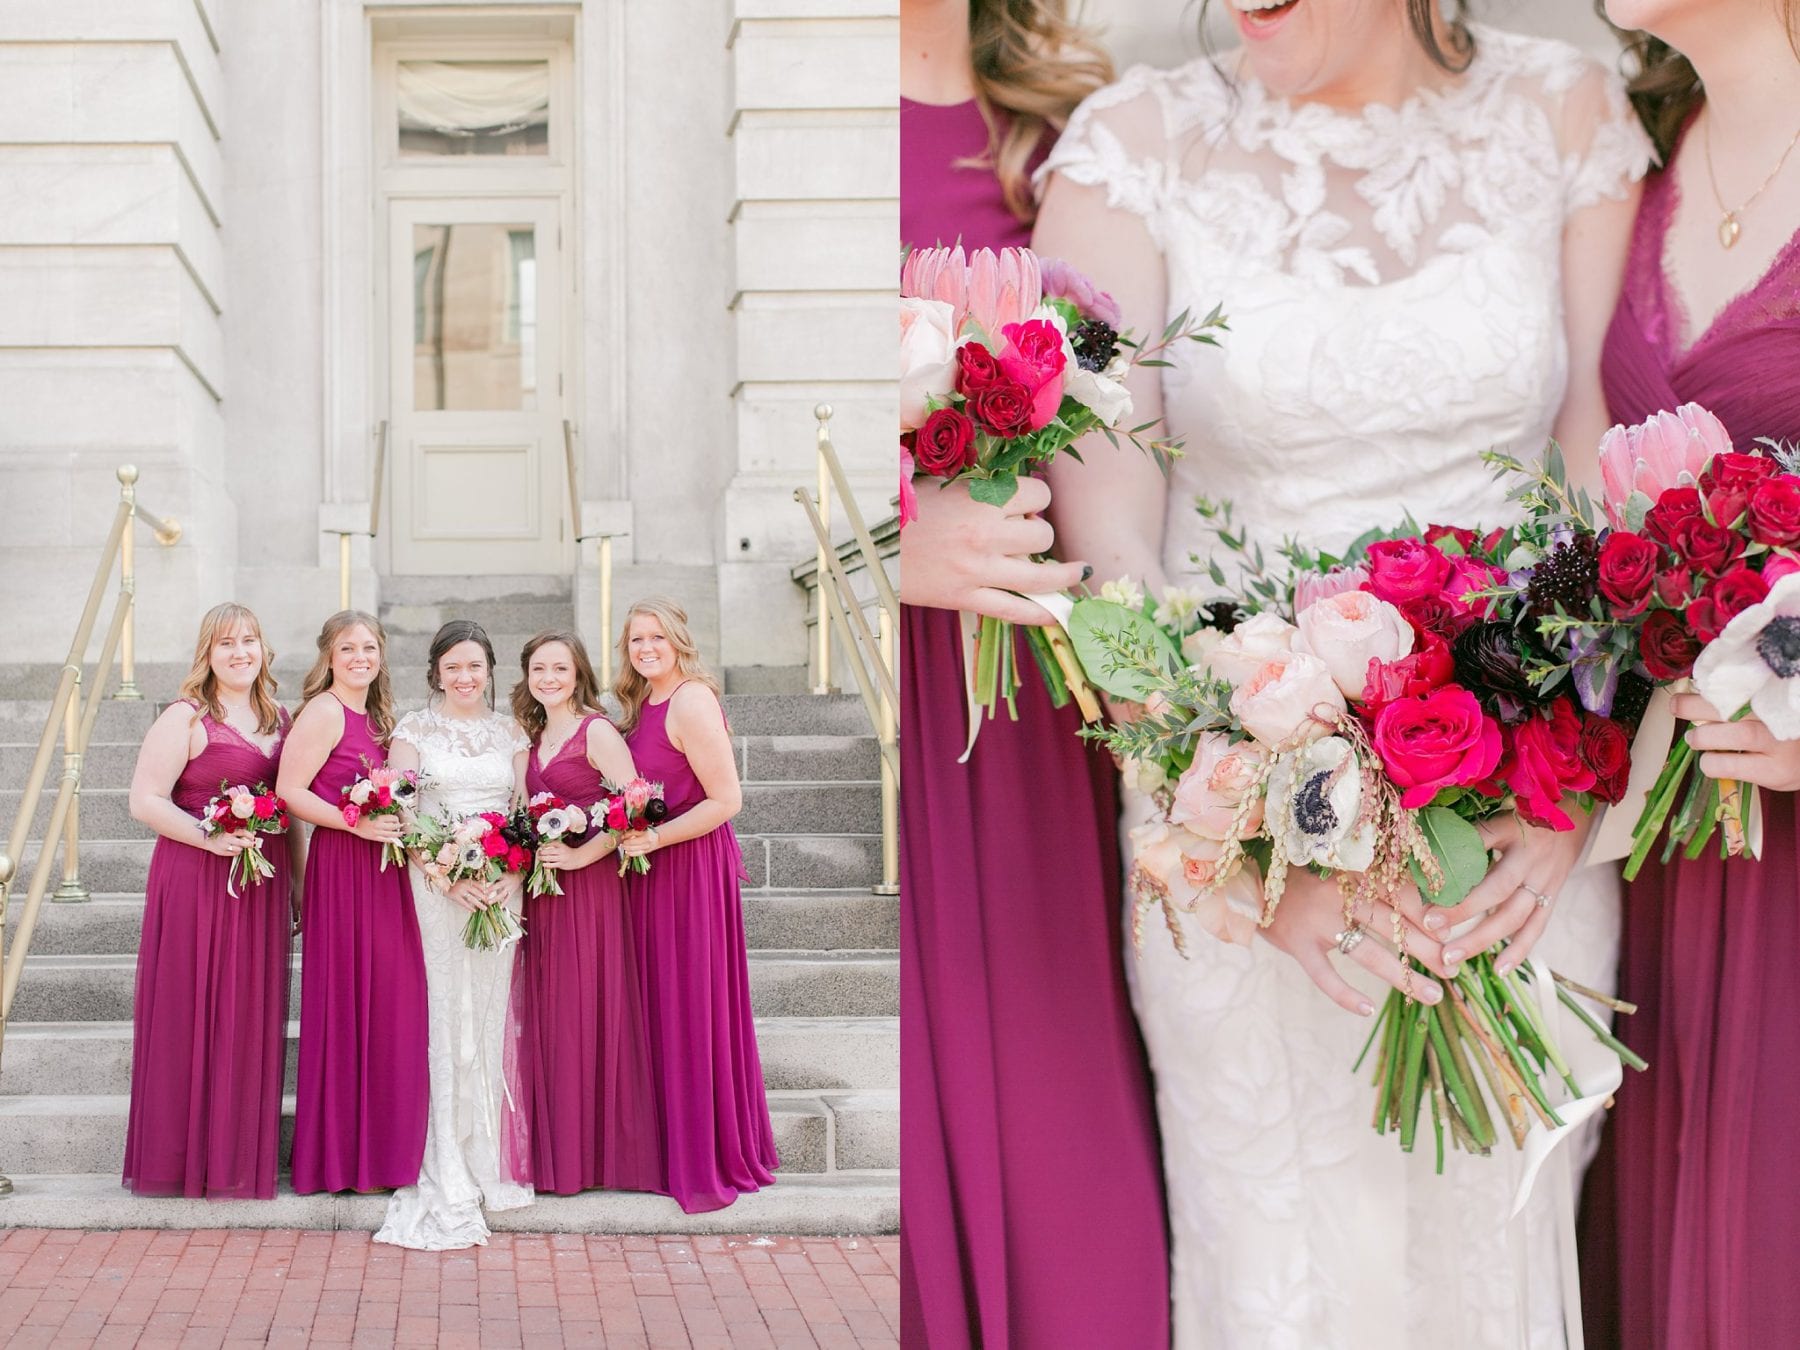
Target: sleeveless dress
x=359 y=1104
x=209 y=1022
x=687 y=918
x=1692 y=1230
x=584 y=1059
x=476 y=1150
x=1392 y=279
x=1020 y=1068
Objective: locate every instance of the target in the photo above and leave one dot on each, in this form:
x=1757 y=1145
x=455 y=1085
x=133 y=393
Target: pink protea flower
x=1668 y=450
x=993 y=289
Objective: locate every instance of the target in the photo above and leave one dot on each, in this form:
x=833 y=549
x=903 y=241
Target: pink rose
x=1406 y=569
x=1312 y=587
x=1186 y=866
x=1034 y=356
x=927 y=358
x=1471 y=574
x=1779 y=565
x=1292 y=699
x=1209 y=794
x=1349 y=630
x=1668 y=450
x=909 y=501
x=1244 y=650
x=1437 y=740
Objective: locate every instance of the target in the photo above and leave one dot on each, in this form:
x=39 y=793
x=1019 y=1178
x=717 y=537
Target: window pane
x=474 y=107
x=474 y=317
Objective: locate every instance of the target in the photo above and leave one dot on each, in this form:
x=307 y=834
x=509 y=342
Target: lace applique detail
x=466 y=762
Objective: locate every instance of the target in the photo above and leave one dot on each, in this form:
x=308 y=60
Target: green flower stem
x=987 y=662
x=1048 y=667
x=1657 y=808
x=1381 y=1018
x=1446 y=1068
x=1500 y=1033
x=1601 y=1034
x=1528 y=1005
x=1386 y=1068
x=1439 y=1108
x=1413 y=1083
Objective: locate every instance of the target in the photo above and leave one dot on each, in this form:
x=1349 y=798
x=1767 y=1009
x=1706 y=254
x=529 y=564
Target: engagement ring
x=1347 y=940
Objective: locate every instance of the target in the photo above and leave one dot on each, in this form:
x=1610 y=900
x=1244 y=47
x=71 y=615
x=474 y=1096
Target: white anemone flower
x=1755 y=662
x=553 y=823
x=471 y=857
x=1315 y=799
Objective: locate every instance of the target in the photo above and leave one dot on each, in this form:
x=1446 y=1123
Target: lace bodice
x=466 y=763
x=1392 y=277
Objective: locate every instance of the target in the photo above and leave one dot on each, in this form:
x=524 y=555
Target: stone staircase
x=823 y=967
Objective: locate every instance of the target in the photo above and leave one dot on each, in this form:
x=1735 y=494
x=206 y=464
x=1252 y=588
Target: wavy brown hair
x=380 y=706
x=586 y=697
x=631 y=688
x=1032 y=65
x=1663 y=85
x=202 y=687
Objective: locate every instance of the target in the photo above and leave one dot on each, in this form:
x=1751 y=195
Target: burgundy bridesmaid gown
x=584 y=1061
x=1691 y=1222
x=360 y=1104
x=209 y=1023
x=1032 y=1209
x=687 y=913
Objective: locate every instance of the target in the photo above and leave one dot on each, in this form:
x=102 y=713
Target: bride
x=1416 y=230
x=475 y=1144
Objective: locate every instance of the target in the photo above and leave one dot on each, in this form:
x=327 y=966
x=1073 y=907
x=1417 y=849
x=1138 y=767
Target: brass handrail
x=872 y=656
x=378 y=480
x=65 y=812
x=606 y=555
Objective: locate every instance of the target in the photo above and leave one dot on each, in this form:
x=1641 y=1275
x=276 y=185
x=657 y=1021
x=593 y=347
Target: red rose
x=1606 y=748
x=1428 y=668
x=1706 y=547
x=1733 y=469
x=1438 y=740
x=1437 y=616
x=1543 y=762
x=1775 y=511
x=1004 y=408
x=1667 y=647
x=265 y=806
x=1675 y=587
x=384 y=795
x=1724 y=599
x=976 y=369
x=1628 y=572
x=493 y=844
x=1674 y=506
x=1491 y=540
x=946 y=444
x=516 y=858
x=1437 y=534
x=282 y=819
x=1405 y=569
x=616 y=819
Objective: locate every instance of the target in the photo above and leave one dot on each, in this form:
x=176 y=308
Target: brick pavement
x=232 y=1287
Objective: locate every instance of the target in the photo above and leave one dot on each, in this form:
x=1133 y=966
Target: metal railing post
x=606 y=612
x=128 y=689
x=71 y=888
x=6 y=875
x=823 y=413
x=890 y=780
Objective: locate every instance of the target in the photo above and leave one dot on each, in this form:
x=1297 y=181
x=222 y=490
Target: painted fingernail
x=1434 y=921
x=1087 y=570
x=1366 y=1008
x=1453 y=956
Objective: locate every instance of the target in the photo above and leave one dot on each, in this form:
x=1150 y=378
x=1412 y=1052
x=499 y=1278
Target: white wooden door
x=475 y=386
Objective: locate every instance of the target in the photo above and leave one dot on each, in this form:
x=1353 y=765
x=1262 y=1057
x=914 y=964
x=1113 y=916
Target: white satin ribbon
x=1060 y=607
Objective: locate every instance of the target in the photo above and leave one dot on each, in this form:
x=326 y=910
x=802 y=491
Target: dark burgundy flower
x=1606 y=747
x=1724 y=599
x=1488 y=661
x=1667 y=646
x=1706 y=547
x=945 y=445
x=976 y=369
x=1567 y=578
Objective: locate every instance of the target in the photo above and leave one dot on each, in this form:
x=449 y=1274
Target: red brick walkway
x=284 y=1288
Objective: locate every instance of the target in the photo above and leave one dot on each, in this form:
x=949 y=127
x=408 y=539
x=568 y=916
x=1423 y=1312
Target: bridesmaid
x=584 y=1060
x=1020 y=1063
x=210 y=1018
x=1692 y=1225
x=359 y=1119
x=718 y=1141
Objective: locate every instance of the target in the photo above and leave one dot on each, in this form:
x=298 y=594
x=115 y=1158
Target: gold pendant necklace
x=1729 y=227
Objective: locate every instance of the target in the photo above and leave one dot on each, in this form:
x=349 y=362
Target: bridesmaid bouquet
x=1686 y=583
x=382 y=791
x=481 y=847
x=253 y=811
x=1005 y=362
x=1359 y=716
x=627 y=810
x=552 y=821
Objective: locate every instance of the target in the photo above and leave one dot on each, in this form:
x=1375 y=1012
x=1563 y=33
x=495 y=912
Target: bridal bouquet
x=1359 y=716
x=1683 y=582
x=481 y=847
x=626 y=810
x=252 y=811
x=1005 y=362
x=552 y=821
x=382 y=791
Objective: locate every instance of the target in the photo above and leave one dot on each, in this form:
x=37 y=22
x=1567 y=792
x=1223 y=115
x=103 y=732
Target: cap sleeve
x=409 y=729
x=517 y=740
x=1118 y=140
x=1603 y=145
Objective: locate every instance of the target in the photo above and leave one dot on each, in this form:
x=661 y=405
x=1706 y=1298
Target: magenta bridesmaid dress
x=1691 y=1221
x=687 y=913
x=1032 y=1204
x=360 y=1104
x=209 y=1022
x=584 y=1061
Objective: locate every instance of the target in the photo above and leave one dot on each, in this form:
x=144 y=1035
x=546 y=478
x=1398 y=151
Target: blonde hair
x=380 y=706
x=631 y=688
x=201 y=688
x=1032 y=65
x=527 y=711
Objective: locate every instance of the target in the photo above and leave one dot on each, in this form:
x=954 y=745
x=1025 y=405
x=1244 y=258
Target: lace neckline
x=578 y=734
x=274 y=744
x=1662 y=199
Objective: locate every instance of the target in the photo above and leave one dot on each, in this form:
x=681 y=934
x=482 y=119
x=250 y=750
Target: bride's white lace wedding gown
x=476 y=1126
x=1392 y=282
